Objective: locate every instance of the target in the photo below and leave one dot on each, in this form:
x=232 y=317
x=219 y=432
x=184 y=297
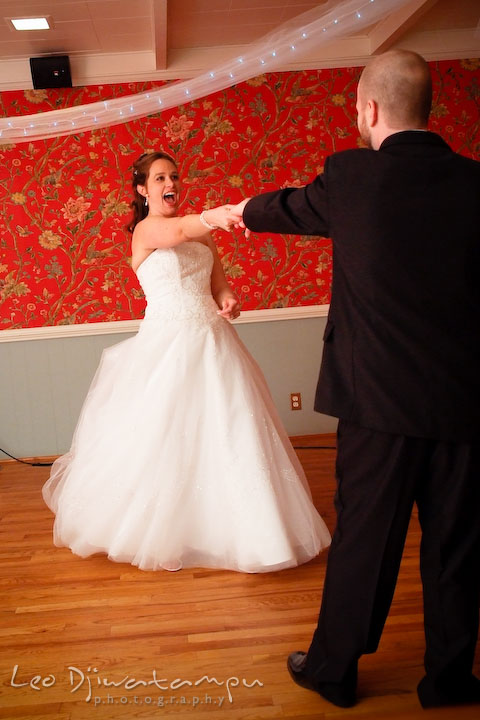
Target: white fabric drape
x=309 y=30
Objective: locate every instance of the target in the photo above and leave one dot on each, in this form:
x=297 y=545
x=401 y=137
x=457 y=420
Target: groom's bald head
x=399 y=81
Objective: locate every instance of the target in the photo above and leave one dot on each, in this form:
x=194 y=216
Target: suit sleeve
x=298 y=211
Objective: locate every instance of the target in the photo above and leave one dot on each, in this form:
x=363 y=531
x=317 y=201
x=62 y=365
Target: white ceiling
x=131 y=40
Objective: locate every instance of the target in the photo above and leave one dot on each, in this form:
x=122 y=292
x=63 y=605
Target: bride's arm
x=159 y=232
x=223 y=294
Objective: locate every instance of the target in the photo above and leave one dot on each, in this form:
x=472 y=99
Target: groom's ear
x=371 y=112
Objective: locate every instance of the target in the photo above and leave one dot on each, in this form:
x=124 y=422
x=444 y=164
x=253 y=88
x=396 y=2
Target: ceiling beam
x=388 y=30
x=159 y=27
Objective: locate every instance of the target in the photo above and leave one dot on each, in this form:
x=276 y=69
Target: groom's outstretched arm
x=299 y=211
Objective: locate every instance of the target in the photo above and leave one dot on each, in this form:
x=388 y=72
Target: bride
x=179 y=458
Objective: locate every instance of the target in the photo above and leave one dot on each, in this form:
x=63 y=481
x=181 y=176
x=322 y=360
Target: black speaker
x=51 y=72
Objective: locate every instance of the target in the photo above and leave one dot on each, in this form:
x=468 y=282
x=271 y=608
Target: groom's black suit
x=401 y=369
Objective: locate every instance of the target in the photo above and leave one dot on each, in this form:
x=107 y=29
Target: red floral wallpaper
x=64 y=252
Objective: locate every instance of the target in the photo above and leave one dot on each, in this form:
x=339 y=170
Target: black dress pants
x=379 y=477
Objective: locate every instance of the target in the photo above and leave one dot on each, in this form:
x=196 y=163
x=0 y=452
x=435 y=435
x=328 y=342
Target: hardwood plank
x=63 y=618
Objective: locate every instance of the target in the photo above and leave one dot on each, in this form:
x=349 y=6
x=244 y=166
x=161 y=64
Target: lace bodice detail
x=176 y=283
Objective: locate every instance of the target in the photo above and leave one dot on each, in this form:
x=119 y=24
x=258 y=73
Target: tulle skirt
x=179 y=457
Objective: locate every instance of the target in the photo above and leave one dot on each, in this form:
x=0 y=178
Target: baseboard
x=323 y=440
x=320 y=440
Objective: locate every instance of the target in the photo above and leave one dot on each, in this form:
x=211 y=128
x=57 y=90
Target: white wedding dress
x=179 y=455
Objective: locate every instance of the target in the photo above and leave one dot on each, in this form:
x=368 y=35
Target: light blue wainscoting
x=43 y=381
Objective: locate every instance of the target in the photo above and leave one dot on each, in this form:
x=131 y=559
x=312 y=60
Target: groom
x=401 y=371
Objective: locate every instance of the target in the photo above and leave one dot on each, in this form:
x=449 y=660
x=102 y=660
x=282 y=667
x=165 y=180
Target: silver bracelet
x=205 y=222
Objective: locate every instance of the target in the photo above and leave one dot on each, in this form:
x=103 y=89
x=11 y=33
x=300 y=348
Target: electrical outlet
x=295 y=401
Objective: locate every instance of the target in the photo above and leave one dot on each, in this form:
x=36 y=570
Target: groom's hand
x=236 y=215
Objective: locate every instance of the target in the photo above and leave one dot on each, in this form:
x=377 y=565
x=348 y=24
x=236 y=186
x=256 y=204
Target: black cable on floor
x=49 y=464
x=25 y=462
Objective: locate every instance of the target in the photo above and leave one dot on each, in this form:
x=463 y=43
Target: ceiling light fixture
x=40 y=23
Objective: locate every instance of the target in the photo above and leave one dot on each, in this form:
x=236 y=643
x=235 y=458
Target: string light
x=311 y=24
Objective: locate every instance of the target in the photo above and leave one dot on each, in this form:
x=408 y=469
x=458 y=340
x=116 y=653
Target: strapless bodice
x=177 y=283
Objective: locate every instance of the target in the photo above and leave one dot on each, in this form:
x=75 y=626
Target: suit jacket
x=401 y=347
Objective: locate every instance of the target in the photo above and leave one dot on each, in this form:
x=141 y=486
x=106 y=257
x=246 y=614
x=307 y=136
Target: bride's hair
x=141 y=169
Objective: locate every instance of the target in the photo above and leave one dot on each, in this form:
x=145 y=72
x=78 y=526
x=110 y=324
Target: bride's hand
x=227 y=216
x=230 y=308
x=219 y=217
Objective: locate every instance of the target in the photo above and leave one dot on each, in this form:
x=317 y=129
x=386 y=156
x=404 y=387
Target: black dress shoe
x=466 y=692
x=332 y=692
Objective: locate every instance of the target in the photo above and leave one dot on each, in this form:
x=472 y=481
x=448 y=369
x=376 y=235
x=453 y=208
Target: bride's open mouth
x=170 y=198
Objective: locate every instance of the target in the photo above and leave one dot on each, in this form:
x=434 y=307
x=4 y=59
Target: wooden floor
x=92 y=639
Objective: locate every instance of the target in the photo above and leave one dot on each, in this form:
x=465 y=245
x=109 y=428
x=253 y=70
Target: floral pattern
x=64 y=249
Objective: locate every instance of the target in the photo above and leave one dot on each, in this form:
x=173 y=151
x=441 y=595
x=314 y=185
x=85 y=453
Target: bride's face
x=163 y=188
